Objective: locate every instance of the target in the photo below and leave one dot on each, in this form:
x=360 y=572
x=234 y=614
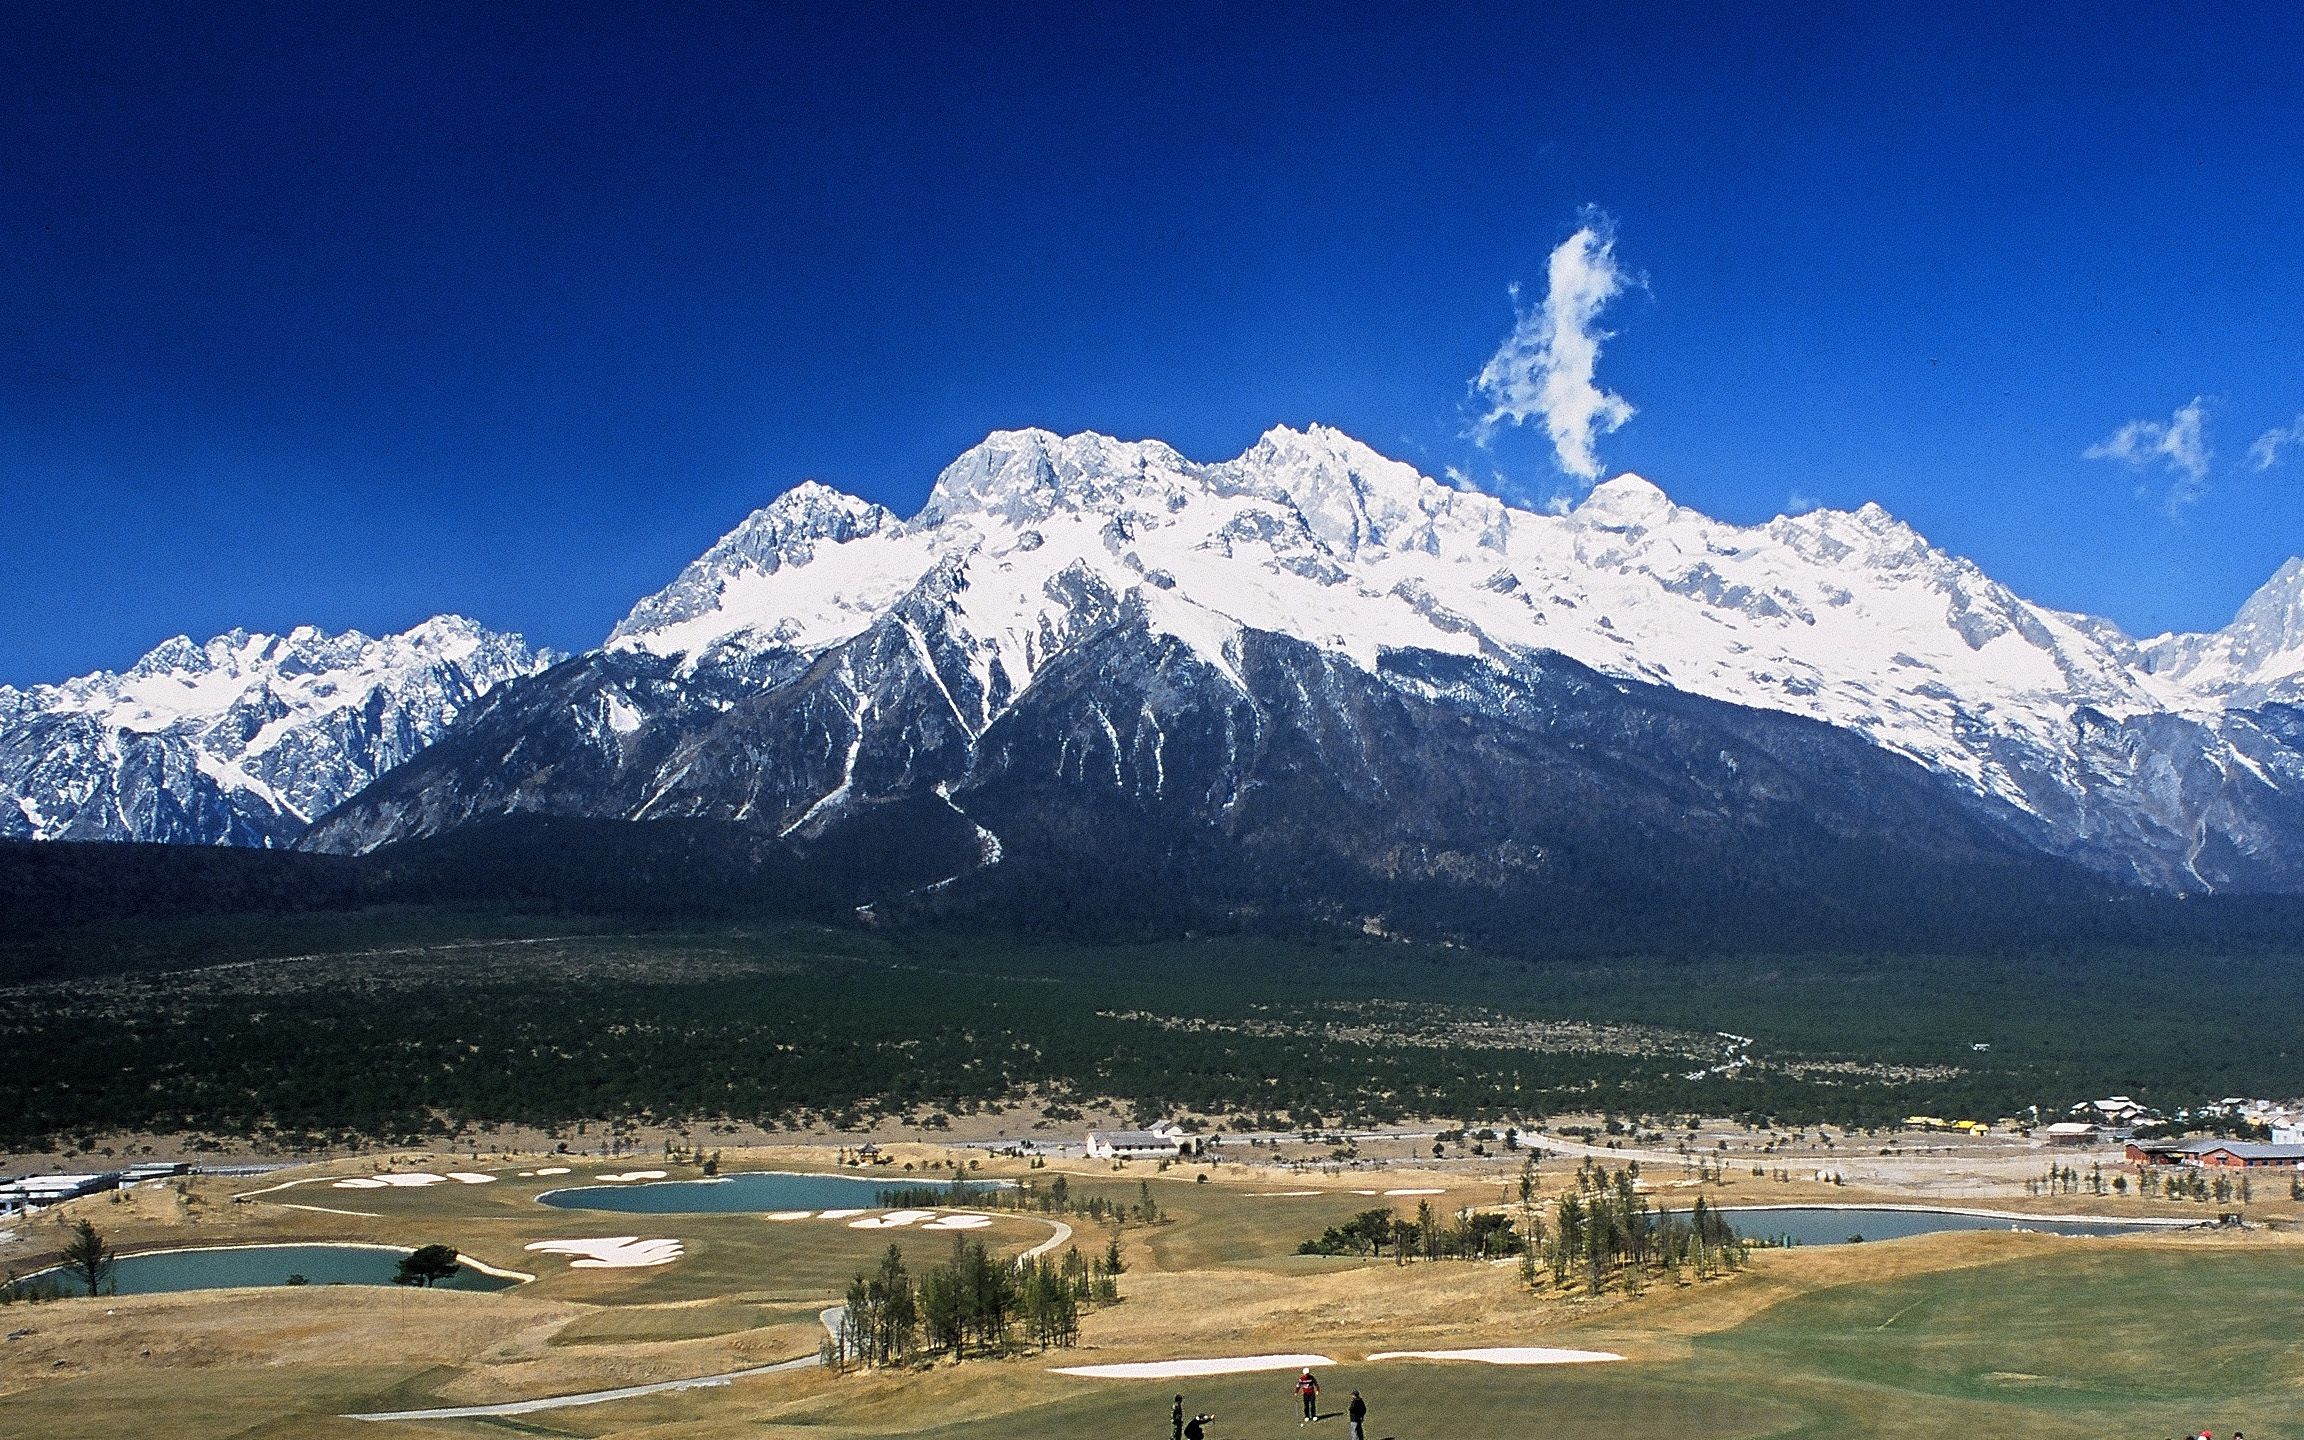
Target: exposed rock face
x=241 y=741
x=1312 y=660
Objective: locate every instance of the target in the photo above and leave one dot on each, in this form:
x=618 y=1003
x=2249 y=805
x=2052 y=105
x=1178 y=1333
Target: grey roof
x=2245 y=1149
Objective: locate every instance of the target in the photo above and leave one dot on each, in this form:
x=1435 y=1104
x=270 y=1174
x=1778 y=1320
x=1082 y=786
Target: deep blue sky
x=352 y=314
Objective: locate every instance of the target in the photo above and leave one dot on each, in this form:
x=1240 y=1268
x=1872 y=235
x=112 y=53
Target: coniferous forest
x=145 y=989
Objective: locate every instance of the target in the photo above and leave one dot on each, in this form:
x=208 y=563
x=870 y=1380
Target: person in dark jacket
x=1357 y=1413
x=1308 y=1390
x=1193 y=1430
x=1176 y=1417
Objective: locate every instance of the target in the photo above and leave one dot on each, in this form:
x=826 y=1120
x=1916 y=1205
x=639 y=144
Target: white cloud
x=2180 y=446
x=1545 y=366
x=2265 y=453
x=1799 y=504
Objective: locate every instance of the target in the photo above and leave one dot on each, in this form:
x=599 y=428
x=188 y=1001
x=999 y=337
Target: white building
x=1160 y=1143
x=36 y=1190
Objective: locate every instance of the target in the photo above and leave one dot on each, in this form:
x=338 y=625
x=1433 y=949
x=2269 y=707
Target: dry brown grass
x=1218 y=1279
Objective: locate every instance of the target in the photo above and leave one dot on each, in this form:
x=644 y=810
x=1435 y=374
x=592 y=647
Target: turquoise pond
x=1808 y=1225
x=231 y=1267
x=747 y=1193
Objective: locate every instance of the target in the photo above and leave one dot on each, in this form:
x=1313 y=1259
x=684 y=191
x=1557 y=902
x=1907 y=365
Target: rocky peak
x=1624 y=503
x=1351 y=497
x=786 y=531
x=1022 y=477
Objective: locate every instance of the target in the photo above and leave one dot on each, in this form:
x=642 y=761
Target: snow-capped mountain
x=1313 y=656
x=241 y=741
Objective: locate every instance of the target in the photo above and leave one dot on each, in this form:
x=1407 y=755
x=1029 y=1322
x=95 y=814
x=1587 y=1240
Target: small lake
x=1810 y=1226
x=241 y=1266
x=743 y=1194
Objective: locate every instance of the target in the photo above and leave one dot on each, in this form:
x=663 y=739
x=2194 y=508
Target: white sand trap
x=553 y=1170
x=1363 y=1192
x=893 y=1220
x=1279 y=1194
x=1505 y=1355
x=789 y=1214
x=471 y=1177
x=1415 y=1192
x=379 y=1182
x=617 y=1252
x=955 y=1222
x=841 y=1214
x=633 y=1175
x=1184 y=1369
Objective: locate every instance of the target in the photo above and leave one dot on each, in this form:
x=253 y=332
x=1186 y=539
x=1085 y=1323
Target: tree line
x=972 y=1303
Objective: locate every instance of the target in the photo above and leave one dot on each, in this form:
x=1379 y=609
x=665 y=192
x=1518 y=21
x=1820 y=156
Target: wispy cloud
x=1798 y=504
x=2265 y=453
x=2180 y=446
x=1545 y=366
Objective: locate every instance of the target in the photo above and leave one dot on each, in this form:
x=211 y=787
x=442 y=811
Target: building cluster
x=25 y=1193
x=2211 y=1153
x=2119 y=1118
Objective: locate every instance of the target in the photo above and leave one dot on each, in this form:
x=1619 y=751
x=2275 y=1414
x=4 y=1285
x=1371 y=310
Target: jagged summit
x=1031 y=542
x=2256 y=659
x=242 y=739
x=787 y=531
x=1626 y=500
x=1082 y=611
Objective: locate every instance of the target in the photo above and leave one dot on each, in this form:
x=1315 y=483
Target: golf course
x=1960 y=1333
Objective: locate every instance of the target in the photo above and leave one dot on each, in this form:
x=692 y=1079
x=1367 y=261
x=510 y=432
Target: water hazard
x=237 y=1266
x=1812 y=1225
x=758 y=1191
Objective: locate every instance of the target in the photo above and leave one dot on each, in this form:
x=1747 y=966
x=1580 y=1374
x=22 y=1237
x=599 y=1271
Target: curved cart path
x=589 y=1397
x=831 y=1317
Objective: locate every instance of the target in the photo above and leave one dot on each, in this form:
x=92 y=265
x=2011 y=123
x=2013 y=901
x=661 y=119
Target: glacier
x=828 y=655
x=1069 y=617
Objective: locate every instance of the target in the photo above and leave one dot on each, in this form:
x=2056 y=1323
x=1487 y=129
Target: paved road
x=1063 y=1233
x=589 y=1397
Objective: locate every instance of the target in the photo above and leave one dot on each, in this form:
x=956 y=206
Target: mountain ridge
x=242 y=740
x=828 y=662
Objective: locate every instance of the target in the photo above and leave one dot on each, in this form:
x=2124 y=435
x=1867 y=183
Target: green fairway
x=2097 y=1344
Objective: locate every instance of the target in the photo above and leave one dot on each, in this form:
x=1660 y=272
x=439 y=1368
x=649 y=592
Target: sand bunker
x=553 y=1170
x=617 y=1252
x=1184 y=1369
x=1505 y=1355
x=788 y=1215
x=379 y=1182
x=894 y=1219
x=956 y=1222
x=842 y=1214
x=1279 y=1194
x=633 y=1175
x=471 y=1177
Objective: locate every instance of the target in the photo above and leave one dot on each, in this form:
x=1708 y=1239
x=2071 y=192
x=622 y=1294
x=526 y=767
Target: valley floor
x=1981 y=1333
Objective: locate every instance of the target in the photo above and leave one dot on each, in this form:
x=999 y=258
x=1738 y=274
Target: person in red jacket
x=1308 y=1390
